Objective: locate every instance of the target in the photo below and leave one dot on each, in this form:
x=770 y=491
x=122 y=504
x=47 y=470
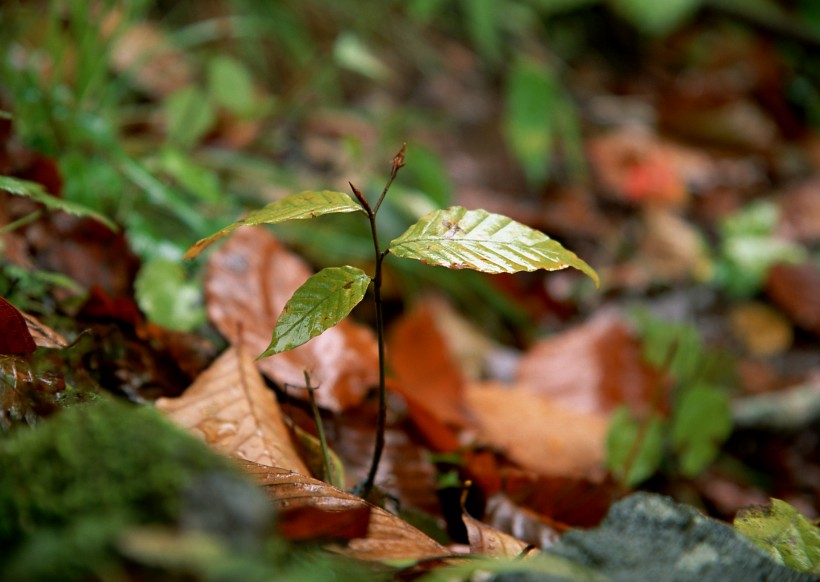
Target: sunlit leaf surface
x=458 y=238
x=322 y=302
x=300 y=206
x=782 y=532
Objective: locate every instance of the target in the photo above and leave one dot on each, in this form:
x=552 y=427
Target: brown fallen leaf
x=538 y=433
x=485 y=540
x=796 y=290
x=232 y=409
x=672 y=249
x=249 y=280
x=763 y=331
x=388 y=537
x=592 y=368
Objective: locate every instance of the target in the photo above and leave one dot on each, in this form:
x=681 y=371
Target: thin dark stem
x=381 y=426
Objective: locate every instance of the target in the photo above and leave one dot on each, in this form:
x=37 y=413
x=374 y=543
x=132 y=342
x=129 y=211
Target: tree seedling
x=455 y=238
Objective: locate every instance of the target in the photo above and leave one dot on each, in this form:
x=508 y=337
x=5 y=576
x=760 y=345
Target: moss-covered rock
x=71 y=485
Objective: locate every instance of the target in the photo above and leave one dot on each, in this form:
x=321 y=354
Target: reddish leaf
x=639 y=167
x=249 y=280
x=592 y=368
x=388 y=537
x=15 y=338
x=562 y=501
x=314 y=523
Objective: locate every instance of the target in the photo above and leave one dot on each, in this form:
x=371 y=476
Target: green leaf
x=629 y=461
x=351 y=53
x=36 y=192
x=702 y=421
x=189 y=115
x=319 y=304
x=532 y=97
x=299 y=206
x=167 y=298
x=657 y=18
x=231 y=85
x=783 y=533
x=457 y=238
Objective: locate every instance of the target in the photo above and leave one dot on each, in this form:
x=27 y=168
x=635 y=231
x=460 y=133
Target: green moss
x=106 y=464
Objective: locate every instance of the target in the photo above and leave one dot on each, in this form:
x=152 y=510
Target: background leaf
x=458 y=238
x=633 y=468
x=166 y=297
x=656 y=17
x=322 y=302
x=36 y=192
x=299 y=206
x=701 y=423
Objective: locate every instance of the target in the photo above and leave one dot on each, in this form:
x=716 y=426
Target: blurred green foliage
x=699 y=420
x=165 y=165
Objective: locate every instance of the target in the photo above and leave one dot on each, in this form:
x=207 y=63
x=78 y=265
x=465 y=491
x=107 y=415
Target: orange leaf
x=592 y=368
x=537 y=433
x=425 y=371
x=388 y=537
x=230 y=406
x=249 y=280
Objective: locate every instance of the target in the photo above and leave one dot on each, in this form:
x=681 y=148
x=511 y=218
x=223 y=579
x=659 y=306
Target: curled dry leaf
x=520 y=522
x=388 y=537
x=44 y=336
x=536 y=432
x=232 y=409
x=485 y=540
x=248 y=282
x=592 y=368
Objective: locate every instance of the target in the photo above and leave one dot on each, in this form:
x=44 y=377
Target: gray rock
x=651 y=537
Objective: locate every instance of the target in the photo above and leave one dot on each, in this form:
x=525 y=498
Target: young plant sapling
x=455 y=238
